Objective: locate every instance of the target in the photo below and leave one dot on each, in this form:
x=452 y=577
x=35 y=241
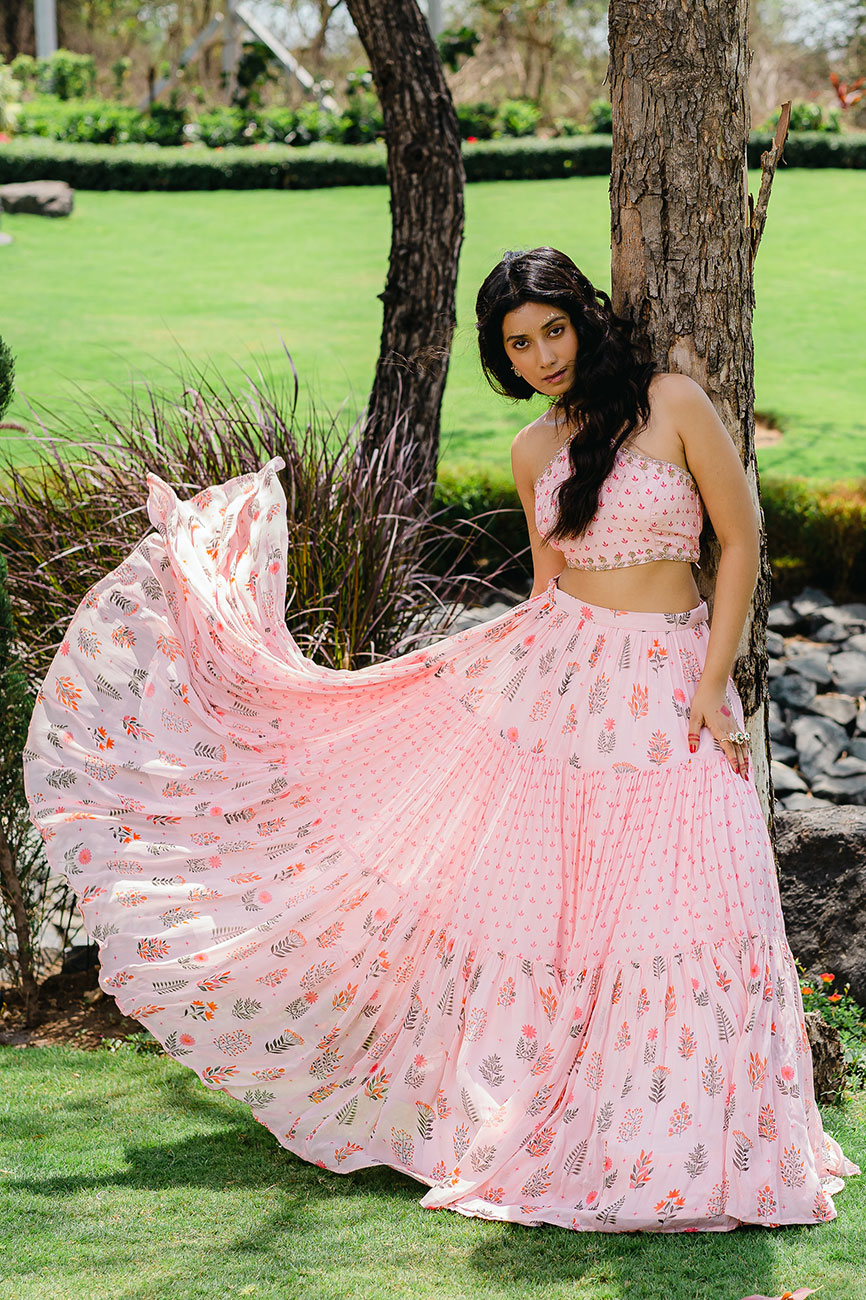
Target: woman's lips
x=553 y=378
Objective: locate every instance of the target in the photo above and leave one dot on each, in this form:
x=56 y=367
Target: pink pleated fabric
x=473 y=912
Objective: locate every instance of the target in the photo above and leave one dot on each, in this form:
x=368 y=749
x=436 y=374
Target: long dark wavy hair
x=609 y=395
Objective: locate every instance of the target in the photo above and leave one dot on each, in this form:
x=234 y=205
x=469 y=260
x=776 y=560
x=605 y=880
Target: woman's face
x=541 y=342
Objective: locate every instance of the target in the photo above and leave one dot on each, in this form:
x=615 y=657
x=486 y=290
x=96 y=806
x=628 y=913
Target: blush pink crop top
x=648 y=510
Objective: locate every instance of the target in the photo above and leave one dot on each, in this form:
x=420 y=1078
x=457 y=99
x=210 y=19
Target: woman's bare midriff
x=658 y=585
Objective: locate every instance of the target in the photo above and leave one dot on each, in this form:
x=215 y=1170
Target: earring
x=516 y=371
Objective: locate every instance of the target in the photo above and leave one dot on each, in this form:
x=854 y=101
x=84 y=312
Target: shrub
x=840 y=1010
x=476 y=120
x=218 y=128
x=7 y=376
x=517 y=117
x=600 y=117
x=132 y=167
x=66 y=75
x=96 y=121
x=23 y=68
x=26 y=898
x=806 y=115
x=9 y=106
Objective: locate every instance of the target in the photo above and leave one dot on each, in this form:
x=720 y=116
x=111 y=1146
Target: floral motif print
x=474 y=912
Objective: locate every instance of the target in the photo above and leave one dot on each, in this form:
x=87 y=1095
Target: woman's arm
x=547 y=562
x=721 y=479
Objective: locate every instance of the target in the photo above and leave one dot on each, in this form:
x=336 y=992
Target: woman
x=475 y=912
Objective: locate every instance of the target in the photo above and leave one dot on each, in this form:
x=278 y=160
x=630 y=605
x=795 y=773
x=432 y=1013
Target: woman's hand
x=711 y=708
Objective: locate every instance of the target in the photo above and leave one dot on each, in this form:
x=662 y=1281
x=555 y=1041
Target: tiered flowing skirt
x=474 y=912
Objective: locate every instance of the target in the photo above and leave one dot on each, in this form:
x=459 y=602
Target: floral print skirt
x=474 y=912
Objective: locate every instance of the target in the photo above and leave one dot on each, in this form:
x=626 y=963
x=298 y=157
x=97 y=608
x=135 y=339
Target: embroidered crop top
x=648 y=510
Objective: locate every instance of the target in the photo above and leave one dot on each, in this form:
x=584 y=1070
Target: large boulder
x=822 y=868
x=45 y=198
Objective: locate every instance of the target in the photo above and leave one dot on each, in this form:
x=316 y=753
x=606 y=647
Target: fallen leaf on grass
x=799 y=1294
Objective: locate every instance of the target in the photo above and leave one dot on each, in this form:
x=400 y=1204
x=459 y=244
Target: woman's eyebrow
x=550 y=320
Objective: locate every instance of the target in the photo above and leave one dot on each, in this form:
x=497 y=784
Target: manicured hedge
x=816 y=535
x=151 y=167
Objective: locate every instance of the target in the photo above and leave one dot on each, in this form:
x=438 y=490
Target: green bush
x=23 y=68
x=9 y=94
x=600 y=117
x=838 y=1009
x=807 y=116
x=193 y=167
x=66 y=75
x=517 y=117
x=7 y=376
x=93 y=121
x=133 y=166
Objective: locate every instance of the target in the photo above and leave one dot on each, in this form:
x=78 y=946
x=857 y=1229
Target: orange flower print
x=657 y=654
x=659 y=749
x=641 y=1170
x=598 y=694
x=541 y=707
x=570 y=723
x=152 y=949
x=67 y=692
x=757 y=1070
x=680 y=1120
x=670 y=1205
x=123 y=636
x=767 y=1123
x=549 y=1002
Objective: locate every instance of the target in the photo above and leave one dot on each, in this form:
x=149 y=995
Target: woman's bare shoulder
x=533 y=446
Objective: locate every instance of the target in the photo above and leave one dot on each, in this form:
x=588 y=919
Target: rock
x=804 y=803
x=784 y=753
x=850 y=765
x=785 y=779
x=841 y=789
x=857 y=642
x=856 y=748
x=795 y=691
x=815 y=668
x=45 y=198
x=775 y=644
x=833 y=632
x=822 y=878
x=819 y=743
x=778 y=727
x=860 y=721
x=830 y=704
x=781 y=617
x=852 y=617
x=828 y=1059
x=809 y=600
x=776 y=668
x=848 y=670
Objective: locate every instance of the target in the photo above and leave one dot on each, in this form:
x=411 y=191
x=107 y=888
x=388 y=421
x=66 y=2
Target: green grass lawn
x=113 y=293
x=123 y=1178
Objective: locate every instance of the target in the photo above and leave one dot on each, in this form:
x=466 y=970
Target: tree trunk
x=426 y=178
x=681 y=249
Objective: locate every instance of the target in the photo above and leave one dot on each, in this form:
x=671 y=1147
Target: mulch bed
x=63 y=1014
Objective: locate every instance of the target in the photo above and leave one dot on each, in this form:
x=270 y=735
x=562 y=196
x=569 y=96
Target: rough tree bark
x=426 y=179
x=682 y=247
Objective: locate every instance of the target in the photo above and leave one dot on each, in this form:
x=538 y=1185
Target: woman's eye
x=557 y=329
